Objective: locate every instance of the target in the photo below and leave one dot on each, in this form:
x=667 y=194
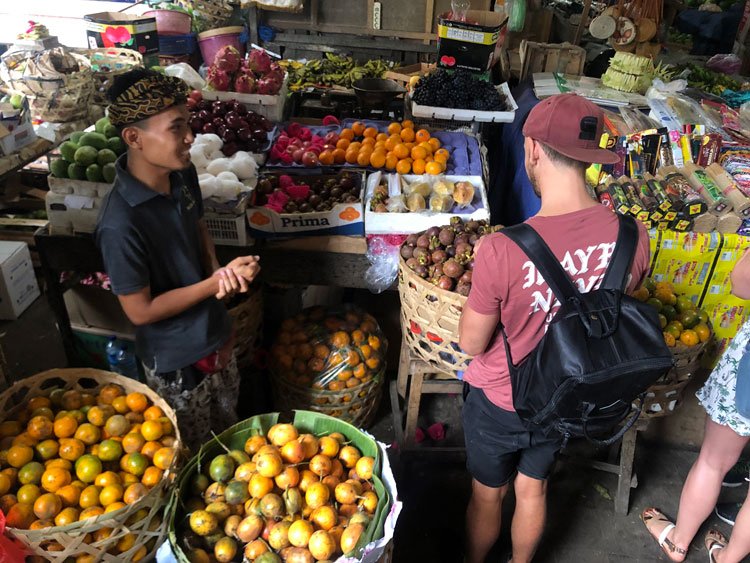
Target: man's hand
x=229 y=283
x=246 y=267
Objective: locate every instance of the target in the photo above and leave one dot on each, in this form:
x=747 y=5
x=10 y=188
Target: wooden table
x=335 y=261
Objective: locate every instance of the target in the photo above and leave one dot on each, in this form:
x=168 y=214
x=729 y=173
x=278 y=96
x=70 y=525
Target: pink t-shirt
x=505 y=281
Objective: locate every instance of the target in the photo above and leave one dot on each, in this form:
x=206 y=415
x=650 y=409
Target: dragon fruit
x=218 y=79
x=259 y=62
x=276 y=73
x=228 y=59
x=244 y=84
x=268 y=86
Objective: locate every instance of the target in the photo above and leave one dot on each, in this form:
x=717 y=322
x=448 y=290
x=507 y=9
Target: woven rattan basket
x=429 y=321
x=665 y=396
x=248 y=319
x=357 y=405
x=65 y=543
x=106 y=64
x=209 y=14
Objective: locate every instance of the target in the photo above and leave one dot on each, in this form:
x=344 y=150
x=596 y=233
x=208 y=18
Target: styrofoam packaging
x=270 y=107
x=18 y=286
x=431 y=112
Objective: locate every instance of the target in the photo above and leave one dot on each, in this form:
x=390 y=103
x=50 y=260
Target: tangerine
x=391 y=161
x=28 y=494
x=20 y=515
x=67 y=515
x=133 y=442
x=110 y=450
x=343 y=143
x=419 y=153
x=111 y=494
x=98 y=415
x=346 y=134
x=407 y=124
x=358 y=128
x=153 y=413
x=326 y=158
x=5 y=484
x=109 y=392
x=381 y=137
x=134 y=493
x=377 y=160
x=689 y=337
x=31 y=473
x=88 y=434
x=152 y=476
x=363 y=158
x=422 y=136
x=89 y=497
x=120 y=405
x=88 y=467
x=47 y=506
x=135 y=464
x=403 y=167
x=107 y=478
x=370 y=133
x=71 y=448
x=38 y=403
x=339 y=156
x=163 y=458
x=669 y=339
x=419 y=166
x=394 y=128
x=434 y=143
x=40 y=428
x=137 y=402
x=19 y=455
x=71 y=400
x=152 y=430
x=401 y=151
x=434 y=168
x=47 y=449
x=91 y=512
x=351 y=156
x=407 y=135
x=703 y=331
x=69 y=494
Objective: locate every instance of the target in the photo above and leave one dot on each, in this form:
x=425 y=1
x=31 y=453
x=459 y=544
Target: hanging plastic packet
x=718 y=204
x=516 y=10
x=740 y=202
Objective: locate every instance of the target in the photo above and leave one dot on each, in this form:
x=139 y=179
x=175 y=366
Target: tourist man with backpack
x=511 y=298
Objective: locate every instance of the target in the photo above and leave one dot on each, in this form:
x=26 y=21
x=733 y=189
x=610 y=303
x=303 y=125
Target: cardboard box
x=408 y=223
x=433 y=112
x=90 y=306
x=115 y=29
x=15 y=140
x=469 y=45
x=342 y=219
x=18 y=287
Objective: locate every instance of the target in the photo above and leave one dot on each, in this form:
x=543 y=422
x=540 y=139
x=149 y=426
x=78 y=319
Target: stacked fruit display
x=444 y=256
x=76 y=455
x=256 y=74
x=90 y=155
x=684 y=324
x=286 y=495
x=291 y=194
x=458 y=89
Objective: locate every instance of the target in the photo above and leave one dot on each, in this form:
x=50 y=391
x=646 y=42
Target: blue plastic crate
x=177 y=44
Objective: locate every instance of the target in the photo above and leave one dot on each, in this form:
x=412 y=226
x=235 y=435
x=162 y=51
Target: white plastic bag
x=187 y=73
x=383 y=265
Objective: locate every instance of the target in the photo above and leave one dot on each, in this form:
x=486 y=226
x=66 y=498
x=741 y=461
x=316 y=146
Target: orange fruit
x=137 y=402
x=55 y=478
x=135 y=464
x=394 y=128
x=88 y=434
x=407 y=135
x=10 y=428
x=355 y=146
x=109 y=392
x=407 y=124
x=419 y=153
x=71 y=448
x=422 y=136
x=133 y=442
x=426 y=146
x=435 y=143
x=152 y=430
x=39 y=402
x=47 y=506
x=69 y=494
x=88 y=467
x=120 y=405
x=20 y=515
x=107 y=478
x=24 y=439
x=347 y=134
x=358 y=128
x=381 y=137
x=403 y=167
x=326 y=158
x=67 y=516
x=370 y=132
x=18 y=456
x=669 y=339
x=163 y=458
x=703 y=331
x=377 y=160
x=111 y=494
x=343 y=143
x=114 y=506
x=5 y=484
x=339 y=156
x=27 y=494
x=110 y=450
x=117 y=425
x=149 y=449
x=391 y=161
x=689 y=337
x=433 y=168
x=134 y=493
x=351 y=156
x=152 y=413
x=368 y=142
x=363 y=158
x=128 y=479
x=401 y=151
x=391 y=142
x=59 y=463
x=92 y=512
x=47 y=449
x=98 y=415
x=259 y=486
x=89 y=497
x=418 y=167
x=152 y=476
x=40 y=428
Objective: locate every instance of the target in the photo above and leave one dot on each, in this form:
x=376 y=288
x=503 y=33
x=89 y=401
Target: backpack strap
x=544 y=259
x=616 y=276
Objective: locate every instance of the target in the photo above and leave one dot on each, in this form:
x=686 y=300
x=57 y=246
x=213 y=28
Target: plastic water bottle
x=127 y=363
x=112 y=352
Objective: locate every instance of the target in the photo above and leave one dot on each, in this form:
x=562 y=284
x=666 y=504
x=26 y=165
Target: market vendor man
x=161 y=260
x=562 y=136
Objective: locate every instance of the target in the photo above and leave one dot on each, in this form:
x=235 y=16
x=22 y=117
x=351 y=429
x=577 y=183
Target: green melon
x=116 y=145
x=108 y=172
x=76 y=137
x=101 y=124
x=94 y=173
x=96 y=140
x=86 y=155
x=68 y=150
x=77 y=172
x=105 y=156
x=59 y=168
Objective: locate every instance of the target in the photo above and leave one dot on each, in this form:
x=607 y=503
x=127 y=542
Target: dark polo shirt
x=152 y=240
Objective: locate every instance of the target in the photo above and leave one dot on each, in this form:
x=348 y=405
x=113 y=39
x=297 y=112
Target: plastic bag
x=383 y=268
x=728 y=64
x=332 y=349
x=187 y=73
x=11 y=551
x=516 y=14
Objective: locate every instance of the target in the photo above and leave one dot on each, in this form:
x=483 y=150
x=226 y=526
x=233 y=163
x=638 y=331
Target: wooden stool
x=416 y=378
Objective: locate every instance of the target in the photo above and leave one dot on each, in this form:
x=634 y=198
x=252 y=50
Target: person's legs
x=529 y=517
x=483 y=520
x=739 y=542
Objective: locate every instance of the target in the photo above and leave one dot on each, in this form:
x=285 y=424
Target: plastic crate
x=177 y=44
x=227 y=230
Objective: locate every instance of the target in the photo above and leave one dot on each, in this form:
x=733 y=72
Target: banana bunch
x=332 y=70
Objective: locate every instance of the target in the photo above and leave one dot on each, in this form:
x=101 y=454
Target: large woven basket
x=357 y=405
x=248 y=319
x=665 y=396
x=429 y=321
x=209 y=14
x=56 y=94
x=63 y=543
x=106 y=64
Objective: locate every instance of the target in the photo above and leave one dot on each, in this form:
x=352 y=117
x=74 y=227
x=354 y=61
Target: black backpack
x=600 y=353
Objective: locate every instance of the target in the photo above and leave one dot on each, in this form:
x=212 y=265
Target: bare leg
x=529 y=517
x=720 y=451
x=739 y=542
x=483 y=520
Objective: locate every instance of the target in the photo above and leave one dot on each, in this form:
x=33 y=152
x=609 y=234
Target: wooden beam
x=429 y=15
x=584 y=21
x=326 y=43
x=370 y=12
x=314 y=9
x=356 y=30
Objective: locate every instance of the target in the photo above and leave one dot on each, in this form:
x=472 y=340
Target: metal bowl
x=377 y=92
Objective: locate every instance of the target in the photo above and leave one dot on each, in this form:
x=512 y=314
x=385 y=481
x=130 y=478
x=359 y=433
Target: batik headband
x=147 y=97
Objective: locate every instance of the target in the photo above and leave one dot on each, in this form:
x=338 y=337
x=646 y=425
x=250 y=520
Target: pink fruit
x=228 y=58
x=259 y=62
x=244 y=84
x=218 y=79
x=268 y=86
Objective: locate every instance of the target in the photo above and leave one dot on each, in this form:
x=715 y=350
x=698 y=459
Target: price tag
x=465 y=35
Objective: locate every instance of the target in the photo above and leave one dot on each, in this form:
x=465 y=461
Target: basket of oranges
x=330 y=361
x=305 y=490
x=86 y=459
x=687 y=332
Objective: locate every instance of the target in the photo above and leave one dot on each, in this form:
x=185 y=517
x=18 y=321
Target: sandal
x=653 y=515
x=714 y=541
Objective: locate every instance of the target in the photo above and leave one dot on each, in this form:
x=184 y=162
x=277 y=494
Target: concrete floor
x=582 y=526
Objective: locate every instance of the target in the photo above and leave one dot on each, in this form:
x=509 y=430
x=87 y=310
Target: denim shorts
x=498 y=444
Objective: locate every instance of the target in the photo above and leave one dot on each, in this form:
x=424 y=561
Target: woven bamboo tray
x=107 y=63
x=357 y=405
x=665 y=396
x=248 y=319
x=235 y=437
x=62 y=543
x=208 y=14
x=429 y=321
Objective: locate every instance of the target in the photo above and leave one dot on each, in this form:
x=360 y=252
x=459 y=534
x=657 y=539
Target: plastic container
x=127 y=364
x=171 y=22
x=112 y=352
x=170 y=45
x=211 y=41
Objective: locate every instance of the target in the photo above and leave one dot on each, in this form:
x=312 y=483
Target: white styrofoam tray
x=432 y=112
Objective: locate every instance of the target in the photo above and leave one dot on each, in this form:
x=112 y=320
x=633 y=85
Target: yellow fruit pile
x=329 y=351
x=75 y=455
x=287 y=496
x=401 y=149
x=681 y=321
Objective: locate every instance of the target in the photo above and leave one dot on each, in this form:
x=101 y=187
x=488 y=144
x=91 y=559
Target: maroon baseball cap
x=571 y=125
